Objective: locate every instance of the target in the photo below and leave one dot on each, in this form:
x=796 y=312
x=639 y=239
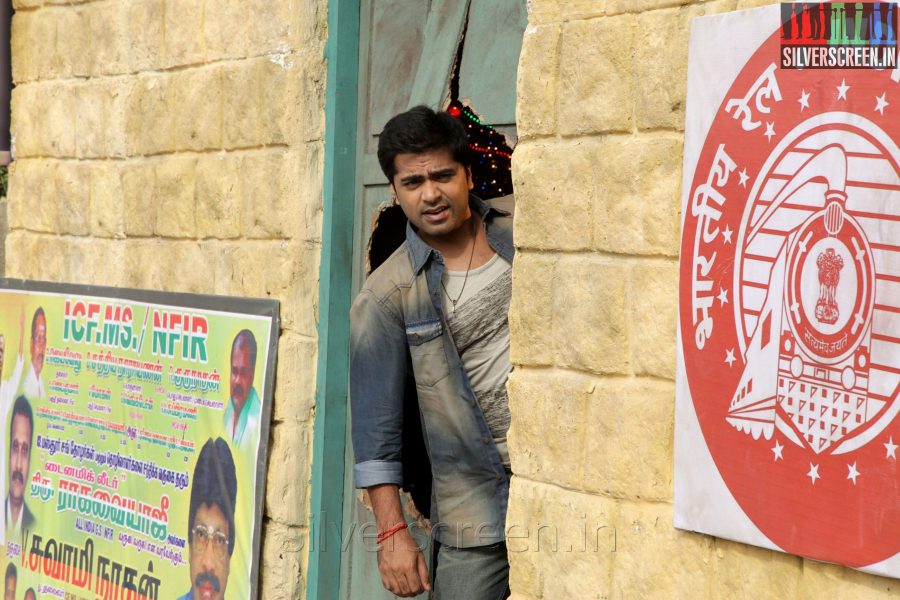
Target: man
x=8 y=389
x=21 y=429
x=211 y=521
x=9 y=583
x=29 y=594
x=242 y=412
x=34 y=387
x=439 y=303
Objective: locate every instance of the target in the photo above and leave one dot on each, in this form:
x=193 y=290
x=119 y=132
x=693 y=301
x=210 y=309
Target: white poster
x=787 y=434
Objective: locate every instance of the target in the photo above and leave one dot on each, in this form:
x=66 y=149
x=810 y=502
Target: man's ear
x=394 y=200
x=469 y=178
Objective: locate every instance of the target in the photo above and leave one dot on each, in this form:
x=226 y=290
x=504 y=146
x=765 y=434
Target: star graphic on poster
x=804 y=100
x=881 y=102
x=891 y=448
x=770 y=131
x=729 y=357
x=723 y=296
x=726 y=234
x=776 y=450
x=853 y=474
x=842 y=90
x=813 y=473
x=744 y=177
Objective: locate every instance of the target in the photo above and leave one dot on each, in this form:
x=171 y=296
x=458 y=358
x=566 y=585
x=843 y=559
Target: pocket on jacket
x=426 y=348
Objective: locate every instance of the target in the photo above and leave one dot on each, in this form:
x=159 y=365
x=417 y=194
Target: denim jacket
x=397 y=315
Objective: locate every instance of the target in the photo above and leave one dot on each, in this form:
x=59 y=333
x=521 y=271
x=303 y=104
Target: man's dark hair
x=214 y=484
x=246 y=337
x=10 y=572
x=38 y=313
x=419 y=130
x=22 y=407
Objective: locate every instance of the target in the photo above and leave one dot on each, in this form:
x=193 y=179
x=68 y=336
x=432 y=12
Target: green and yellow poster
x=134 y=441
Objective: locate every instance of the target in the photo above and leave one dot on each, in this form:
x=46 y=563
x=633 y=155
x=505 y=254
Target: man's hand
x=400 y=561
x=402 y=566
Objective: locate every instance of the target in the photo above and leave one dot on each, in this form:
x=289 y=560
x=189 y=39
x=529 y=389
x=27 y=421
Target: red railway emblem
x=790 y=305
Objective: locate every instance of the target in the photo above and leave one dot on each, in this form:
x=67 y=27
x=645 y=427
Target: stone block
x=219 y=195
x=91 y=261
x=298 y=264
x=146 y=20
x=183 y=33
x=107 y=206
x=287 y=478
x=271 y=187
x=41 y=213
x=73 y=189
x=294 y=379
x=90 y=113
x=552 y=11
x=661 y=63
x=639 y=200
x=562 y=543
x=225 y=28
x=110 y=49
x=310 y=112
x=189 y=267
x=591 y=334
x=823 y=580
x=538 y=82
x=143 y=266
x=27 y=27
x=655 y=560
x=310 y=164
x=241 y=119
x=116 y=96
x=614 y=7
x=26 y=119
x=149 y=123
x=531 y=309
x=20 y=5
x=25 y=178
x=748 y=572
x=280 y=99
x=597 y=76
x=58 y=120
x=194 y=102
x=140 y=198
x=72 y=54
x=175 y=200
x=549 y=413
x=268 y=26
x=629 y=448
x=555 y=195
x=283 y=561
x=309 y=25
x=653 y=302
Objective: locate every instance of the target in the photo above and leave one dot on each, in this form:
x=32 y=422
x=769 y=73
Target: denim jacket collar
x=420 y=252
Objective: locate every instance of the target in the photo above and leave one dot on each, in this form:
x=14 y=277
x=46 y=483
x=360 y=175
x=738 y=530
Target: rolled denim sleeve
x=377 y=375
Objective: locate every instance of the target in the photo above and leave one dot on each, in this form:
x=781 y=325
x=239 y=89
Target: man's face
x=9 y=590
x=209 y=560
x=38 y=343
x=241 y=375
x=19 y=455
x=433 y=191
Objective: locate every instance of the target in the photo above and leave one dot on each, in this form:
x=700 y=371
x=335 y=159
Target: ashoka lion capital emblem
x=830 y=265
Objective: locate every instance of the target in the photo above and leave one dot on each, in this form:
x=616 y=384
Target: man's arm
x=400 y=560
x=377 y=377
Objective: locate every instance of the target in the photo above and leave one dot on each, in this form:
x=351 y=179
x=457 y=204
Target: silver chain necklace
x=466 y=278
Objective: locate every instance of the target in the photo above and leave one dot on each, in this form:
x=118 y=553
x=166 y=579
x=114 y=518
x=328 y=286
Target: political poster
x=788 y=368
x=135 y=428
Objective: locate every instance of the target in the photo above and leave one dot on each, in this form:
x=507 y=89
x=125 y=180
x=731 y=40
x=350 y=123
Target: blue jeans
x=480 y=573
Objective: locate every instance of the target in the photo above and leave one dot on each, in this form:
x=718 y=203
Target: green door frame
x=335 y=274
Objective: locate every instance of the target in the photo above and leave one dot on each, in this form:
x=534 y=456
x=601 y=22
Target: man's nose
x=430 y=191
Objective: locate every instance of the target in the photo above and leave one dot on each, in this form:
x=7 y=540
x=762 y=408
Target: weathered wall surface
x=597 y=172
x=177 y=145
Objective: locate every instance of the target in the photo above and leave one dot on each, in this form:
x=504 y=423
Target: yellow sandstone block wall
x=177 y=145
x=597 y=170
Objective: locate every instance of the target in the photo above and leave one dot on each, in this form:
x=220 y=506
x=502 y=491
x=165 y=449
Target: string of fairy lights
x=492 y=160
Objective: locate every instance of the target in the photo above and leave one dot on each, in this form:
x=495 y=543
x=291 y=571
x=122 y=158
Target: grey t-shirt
x=480 y=329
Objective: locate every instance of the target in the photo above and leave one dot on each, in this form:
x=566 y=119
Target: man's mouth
x=17 y=476
x=207 y=584
x=435 y=213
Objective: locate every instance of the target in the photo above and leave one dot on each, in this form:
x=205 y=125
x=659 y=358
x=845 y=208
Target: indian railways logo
x=790 y=305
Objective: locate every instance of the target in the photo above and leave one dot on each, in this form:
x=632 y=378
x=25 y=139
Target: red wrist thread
x=383 y=535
